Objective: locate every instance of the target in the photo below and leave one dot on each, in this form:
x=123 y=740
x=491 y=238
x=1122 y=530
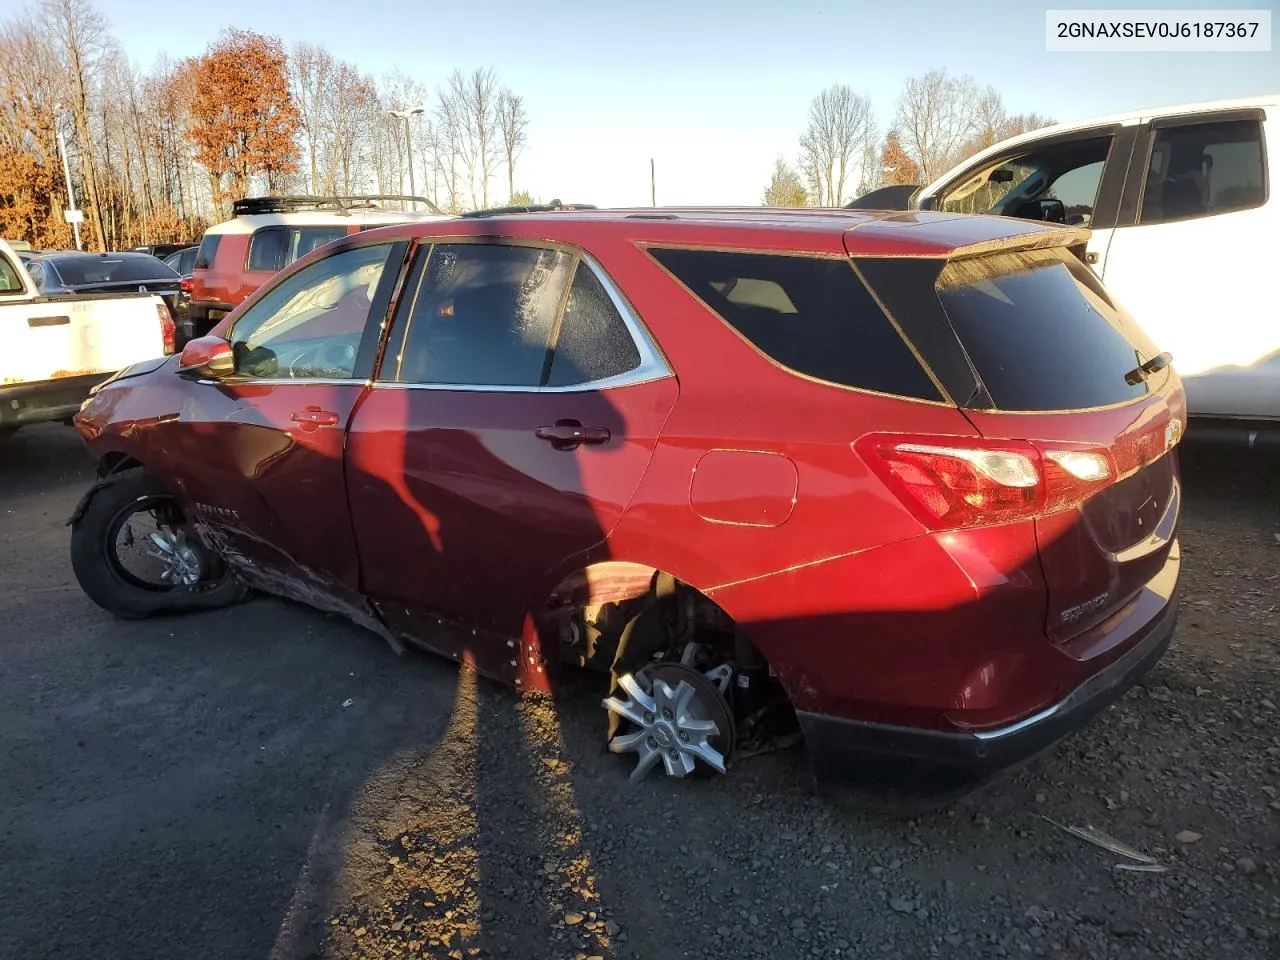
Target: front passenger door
x=259 y=456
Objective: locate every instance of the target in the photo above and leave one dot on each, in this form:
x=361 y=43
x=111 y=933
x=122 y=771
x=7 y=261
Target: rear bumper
x=862 y=754
x=44 y=400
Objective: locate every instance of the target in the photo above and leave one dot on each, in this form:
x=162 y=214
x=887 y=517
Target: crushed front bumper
x=881 y=757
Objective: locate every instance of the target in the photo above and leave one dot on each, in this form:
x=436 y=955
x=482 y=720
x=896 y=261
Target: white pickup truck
x=53 y=350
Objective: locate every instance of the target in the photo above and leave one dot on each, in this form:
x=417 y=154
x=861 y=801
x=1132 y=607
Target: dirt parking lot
x=271 y=782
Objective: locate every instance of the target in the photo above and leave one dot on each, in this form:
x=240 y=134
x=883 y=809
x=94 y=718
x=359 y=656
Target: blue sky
x=712 y=90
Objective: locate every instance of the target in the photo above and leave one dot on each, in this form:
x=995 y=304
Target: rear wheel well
x=614 y=617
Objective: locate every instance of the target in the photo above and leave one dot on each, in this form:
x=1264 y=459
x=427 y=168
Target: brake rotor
x=681 y=716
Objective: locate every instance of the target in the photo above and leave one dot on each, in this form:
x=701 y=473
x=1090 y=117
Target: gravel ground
x=196 y=787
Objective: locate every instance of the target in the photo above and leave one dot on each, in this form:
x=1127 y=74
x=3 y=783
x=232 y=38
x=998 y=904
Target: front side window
x=310 y=324
x=1058 y=183
x=1204 y=169
x=483 y=315
x=10 y=282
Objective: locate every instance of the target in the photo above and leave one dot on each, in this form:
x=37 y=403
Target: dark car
x=910 y=481
x=898 y=196
x=182 y=261
x=63 y=273
x=160 y=251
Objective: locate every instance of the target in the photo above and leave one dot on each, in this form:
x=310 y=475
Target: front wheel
x=134 y=554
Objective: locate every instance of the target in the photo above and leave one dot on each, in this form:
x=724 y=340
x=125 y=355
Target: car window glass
x=483 y=315
x=594 y=342
x=186 y=261
x=1041 y=331
x=208 y=249
x=810 y=314
x=1027 y=186
x=120 y=268
x=1204 y=169
x=10 y=282
x=310 y=324
x=267 y=250
x=35 y=270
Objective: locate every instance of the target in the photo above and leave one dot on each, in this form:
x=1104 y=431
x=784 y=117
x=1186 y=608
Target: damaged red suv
x=906 y=479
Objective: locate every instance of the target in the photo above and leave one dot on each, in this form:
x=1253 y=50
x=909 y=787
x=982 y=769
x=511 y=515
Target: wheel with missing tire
x=134 y=554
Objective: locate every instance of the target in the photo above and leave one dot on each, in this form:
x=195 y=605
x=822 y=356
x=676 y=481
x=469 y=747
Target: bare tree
x=840 y=133
x=81 y=36
x=310 y=72
x=937 y=116
x=785 y=187
x=469 y=106
x=513 y=124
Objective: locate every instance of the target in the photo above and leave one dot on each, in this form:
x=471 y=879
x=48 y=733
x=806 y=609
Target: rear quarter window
x=1042 y=332
x=208 y=250
x=812 y=315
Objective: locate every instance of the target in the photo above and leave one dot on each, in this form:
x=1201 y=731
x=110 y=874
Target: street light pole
x=408 y=144
x=66 y=172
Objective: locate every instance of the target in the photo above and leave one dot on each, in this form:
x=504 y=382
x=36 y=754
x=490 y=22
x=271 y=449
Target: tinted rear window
x=273 y=248
x=120 y=268
x=810 y=314
x=1041 y=331
x=208 y=250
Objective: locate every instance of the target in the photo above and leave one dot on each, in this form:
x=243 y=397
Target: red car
x=909 y=478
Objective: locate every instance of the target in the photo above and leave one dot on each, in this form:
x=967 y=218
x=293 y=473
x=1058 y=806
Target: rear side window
x=1041 y=332
x=812 y=315
x=208 y=250
x=272 y=249
x=1203 y=169
x=594 y=342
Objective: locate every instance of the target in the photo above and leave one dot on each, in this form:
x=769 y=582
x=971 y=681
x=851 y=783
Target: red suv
x=909 y=478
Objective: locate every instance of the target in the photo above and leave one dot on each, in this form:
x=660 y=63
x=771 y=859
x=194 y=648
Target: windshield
x=111 y=268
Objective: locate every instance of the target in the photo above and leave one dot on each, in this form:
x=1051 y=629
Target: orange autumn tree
x=896 y=167
x=243 y=120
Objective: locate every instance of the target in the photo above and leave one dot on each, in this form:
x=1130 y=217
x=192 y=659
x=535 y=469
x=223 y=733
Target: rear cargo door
x=1045 y=355
x=1063 y=365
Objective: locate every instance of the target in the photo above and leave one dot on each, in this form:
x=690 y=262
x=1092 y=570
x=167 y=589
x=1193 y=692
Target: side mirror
x=1052 y=211
x=210 y=357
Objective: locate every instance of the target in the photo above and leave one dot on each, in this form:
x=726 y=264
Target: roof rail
x=248 y=206
x=552 y=207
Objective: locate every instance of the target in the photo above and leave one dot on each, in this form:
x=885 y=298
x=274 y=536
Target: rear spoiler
x=1074 y=238
x=901 y=236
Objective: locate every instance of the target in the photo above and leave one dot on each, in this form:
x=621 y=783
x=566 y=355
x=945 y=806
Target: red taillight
x=167 y=329
x=954 y=482
x=185 y=284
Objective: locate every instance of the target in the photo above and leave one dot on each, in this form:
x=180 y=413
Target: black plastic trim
x=865 y=754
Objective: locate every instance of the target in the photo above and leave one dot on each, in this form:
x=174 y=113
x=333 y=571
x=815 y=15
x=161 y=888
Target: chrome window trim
x=652 y=366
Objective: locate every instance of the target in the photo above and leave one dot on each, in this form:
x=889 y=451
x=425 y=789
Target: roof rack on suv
x=551 y=207
x=248 y=206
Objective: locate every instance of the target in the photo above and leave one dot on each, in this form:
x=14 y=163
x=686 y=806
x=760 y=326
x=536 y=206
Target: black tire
x=93 y=542
x=6 y=432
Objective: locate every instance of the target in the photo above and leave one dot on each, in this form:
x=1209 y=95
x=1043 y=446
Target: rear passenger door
x=1191 y=257
x=516 y=408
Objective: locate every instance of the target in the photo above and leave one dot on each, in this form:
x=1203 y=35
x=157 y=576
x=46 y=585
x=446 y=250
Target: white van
x=1185 y=234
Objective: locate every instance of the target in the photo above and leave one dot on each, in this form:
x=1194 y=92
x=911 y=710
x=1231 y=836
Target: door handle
x=567 y=434
x=313 y=417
